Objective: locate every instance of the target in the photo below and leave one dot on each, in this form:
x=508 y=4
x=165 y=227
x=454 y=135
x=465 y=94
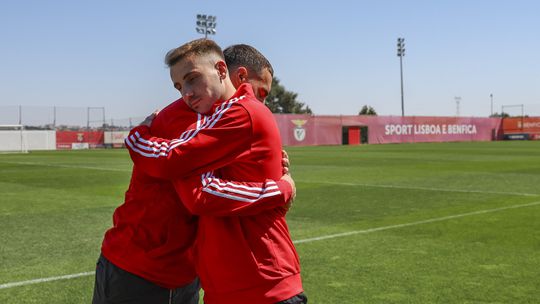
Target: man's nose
x=187 y=95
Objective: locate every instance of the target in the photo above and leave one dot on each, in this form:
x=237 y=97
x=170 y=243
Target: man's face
x=198 y=80
x=261 y=84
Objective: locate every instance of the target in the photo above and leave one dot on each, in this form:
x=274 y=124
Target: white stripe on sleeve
x=163 y=149
x=236 y=191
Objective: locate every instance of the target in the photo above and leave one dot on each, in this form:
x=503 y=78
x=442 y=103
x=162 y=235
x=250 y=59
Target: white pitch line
x=419 y=188
x=433 y=220
x=65 y=166
x=309 y=240
x=303 y=181
x=43 y=280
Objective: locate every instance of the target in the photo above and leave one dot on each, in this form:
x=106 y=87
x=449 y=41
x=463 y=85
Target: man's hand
x=289 y=179
x=285 y=162
x=148 y=120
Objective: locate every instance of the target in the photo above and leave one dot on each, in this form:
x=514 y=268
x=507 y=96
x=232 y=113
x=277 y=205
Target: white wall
x=33 y=139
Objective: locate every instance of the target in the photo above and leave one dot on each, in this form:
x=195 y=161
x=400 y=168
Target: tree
x=367 y=110
x=503 y=115
x=279 y=100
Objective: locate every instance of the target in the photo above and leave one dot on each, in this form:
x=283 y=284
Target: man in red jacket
x=239 y=259
x=146 y=256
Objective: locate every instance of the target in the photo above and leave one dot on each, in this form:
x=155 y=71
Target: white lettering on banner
x=530 y=125
x=461 y=129
x=427 y=129
x=398 y=129
x=79 y=146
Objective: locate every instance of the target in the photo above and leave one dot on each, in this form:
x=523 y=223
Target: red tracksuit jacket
x=240 y=259
x=153 y=233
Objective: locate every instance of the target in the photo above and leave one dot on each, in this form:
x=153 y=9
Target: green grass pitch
x=409 y=223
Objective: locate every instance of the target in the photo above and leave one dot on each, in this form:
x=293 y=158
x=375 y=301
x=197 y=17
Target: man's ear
x=242 y=74
x=221 y=68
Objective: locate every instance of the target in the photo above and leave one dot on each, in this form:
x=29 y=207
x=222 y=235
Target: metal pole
x=104 y=118
x=522 y=113
x=491 y=96
x=401 y=72
x=401 y=53
x=88 y=118
x=22 y=128
x=54 y=117
x=22 y=139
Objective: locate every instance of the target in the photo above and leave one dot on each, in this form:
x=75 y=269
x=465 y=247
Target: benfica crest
x=80 y=137
x=299 y=131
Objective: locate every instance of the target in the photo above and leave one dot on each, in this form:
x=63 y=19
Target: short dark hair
x=247 y=56
x=196 y=47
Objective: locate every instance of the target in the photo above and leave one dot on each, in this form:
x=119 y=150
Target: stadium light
x=401 y=53
x=458 y=101
x=206 y=25
x=491 y=96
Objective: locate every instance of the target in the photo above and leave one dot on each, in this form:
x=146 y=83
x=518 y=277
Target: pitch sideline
x=302 y=181
x=308 y=240
x=420 y=188
x=49 y=279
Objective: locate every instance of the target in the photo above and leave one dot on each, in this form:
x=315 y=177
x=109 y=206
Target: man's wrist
x=286 y=190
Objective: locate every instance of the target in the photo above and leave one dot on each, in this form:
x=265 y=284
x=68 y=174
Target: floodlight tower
x=458 y=101
x=491 y=96
x=401 y=53
x=206 y=25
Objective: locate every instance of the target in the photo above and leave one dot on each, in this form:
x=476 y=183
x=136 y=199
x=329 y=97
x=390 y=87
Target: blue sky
x=337 y=55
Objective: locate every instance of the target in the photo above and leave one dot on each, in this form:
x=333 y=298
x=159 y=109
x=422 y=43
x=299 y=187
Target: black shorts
x=115 y=285
x=297 y=299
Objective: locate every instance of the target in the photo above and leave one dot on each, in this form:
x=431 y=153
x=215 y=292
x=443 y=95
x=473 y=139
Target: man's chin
x=200 y=110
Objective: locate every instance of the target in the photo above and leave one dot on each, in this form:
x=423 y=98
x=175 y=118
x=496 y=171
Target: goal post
x=13 y=138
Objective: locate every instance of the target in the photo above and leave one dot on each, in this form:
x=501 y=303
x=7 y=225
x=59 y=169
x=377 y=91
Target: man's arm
x=212 y=196
x=213 y=142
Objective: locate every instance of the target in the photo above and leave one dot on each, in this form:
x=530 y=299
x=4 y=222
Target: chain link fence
x=64 y=118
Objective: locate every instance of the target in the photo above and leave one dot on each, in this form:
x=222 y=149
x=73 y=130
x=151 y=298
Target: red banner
x=328 y=130
x=528 y=126
x=79 y=139
x=431 y=129
x=306 y=130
